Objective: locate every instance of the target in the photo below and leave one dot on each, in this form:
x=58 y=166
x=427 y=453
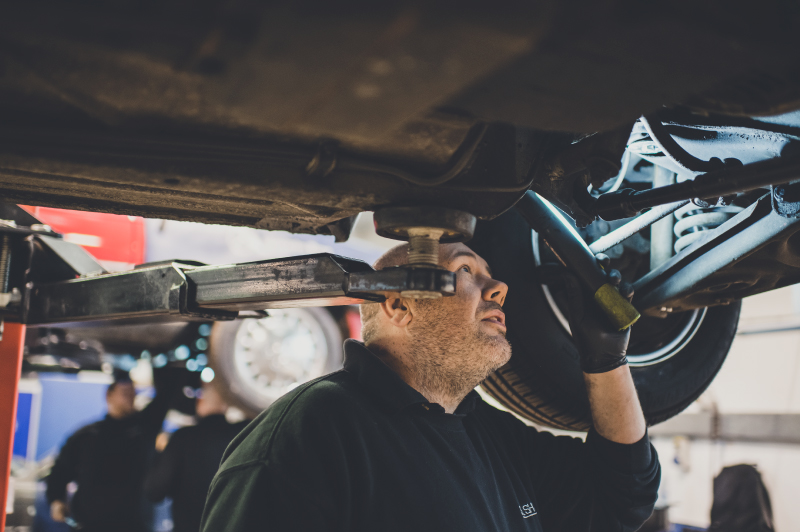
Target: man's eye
x=465 y=268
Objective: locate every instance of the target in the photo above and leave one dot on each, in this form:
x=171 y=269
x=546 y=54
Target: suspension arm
x=704 y=272
x=622 y=233
x=627 y=203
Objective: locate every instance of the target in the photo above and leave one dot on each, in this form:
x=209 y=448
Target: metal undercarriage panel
x=296 y=115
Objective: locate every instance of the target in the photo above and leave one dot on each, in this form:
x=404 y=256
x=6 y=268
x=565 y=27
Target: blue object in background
x=22 y=429
x=26 y=425
x=67 y=405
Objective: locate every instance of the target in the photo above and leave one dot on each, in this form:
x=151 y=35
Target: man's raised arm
x=616 y=412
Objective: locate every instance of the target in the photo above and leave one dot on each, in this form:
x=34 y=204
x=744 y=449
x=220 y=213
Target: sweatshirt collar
x=213 y=419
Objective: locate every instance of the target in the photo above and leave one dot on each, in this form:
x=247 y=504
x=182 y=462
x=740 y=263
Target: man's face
x=470 y=324
x=120 y=400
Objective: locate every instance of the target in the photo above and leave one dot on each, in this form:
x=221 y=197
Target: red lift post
x=10 y=367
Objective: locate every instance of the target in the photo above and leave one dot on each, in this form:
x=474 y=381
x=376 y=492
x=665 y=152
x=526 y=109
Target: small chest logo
x=527 y=510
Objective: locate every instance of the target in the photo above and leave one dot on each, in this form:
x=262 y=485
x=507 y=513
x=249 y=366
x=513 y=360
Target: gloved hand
x=600 y=346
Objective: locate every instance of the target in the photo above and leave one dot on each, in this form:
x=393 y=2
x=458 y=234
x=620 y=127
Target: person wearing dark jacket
x=741 y=501
x=107 y=460
x=399 y=440
x=185 y=468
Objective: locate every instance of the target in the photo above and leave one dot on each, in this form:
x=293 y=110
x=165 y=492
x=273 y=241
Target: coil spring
x=693 y=221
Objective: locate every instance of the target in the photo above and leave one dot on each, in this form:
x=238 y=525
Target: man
x=399 y=439
x=185 y=469
x=107 y=460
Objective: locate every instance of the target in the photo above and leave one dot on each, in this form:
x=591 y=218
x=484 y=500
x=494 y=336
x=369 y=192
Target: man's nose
x=495 y=291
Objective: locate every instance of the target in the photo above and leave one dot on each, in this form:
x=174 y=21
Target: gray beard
x=450 y=359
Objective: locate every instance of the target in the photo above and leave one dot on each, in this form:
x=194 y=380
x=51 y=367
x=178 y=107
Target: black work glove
x=601 y=347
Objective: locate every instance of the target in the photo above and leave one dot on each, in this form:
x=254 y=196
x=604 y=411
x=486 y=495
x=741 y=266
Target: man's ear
x=396 y=309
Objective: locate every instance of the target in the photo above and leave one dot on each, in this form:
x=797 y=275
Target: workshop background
x=749 y=415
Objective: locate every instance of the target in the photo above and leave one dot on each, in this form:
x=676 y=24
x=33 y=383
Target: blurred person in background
x=184 y=469
x=108 y=460
x=741 y=501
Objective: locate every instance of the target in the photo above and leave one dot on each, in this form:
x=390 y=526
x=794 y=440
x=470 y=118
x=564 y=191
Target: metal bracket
x=786 y=200
x=159 y=291
x=77 y=258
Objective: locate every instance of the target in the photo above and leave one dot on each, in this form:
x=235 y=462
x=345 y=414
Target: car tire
x=543 y=381
x=257 y=360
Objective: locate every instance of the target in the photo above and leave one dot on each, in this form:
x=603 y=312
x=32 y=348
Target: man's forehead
x=448 y=253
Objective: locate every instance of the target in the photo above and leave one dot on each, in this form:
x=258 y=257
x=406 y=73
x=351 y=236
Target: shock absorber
x=693 y=221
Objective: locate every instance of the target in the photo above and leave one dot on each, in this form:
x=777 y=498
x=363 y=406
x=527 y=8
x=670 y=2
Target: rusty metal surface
x=368 y=76
x=257 y=285
x=262 y=183
x=150 y=292
x=175 y=291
